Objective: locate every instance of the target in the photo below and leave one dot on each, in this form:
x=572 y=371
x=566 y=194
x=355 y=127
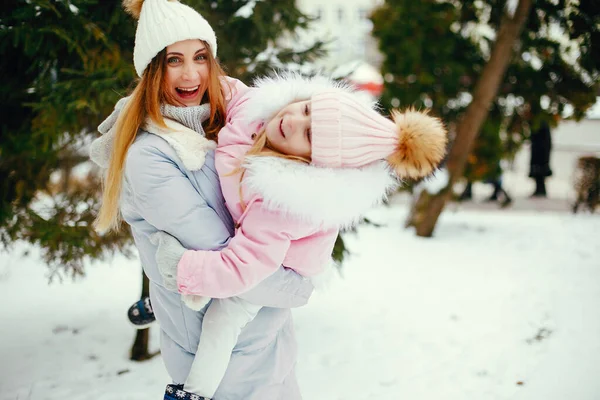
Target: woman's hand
x=168 y=253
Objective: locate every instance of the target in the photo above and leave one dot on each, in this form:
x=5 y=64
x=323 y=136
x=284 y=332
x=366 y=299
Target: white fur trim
x=331 y=197
x=189 y=145
x=273 y=93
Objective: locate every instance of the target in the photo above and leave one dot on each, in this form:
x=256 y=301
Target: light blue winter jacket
x=161 y=192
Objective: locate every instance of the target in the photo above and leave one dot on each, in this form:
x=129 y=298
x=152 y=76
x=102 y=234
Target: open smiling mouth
x=187 y=92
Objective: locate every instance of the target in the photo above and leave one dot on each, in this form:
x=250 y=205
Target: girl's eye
x=172 y=60
x=306 y=110
x=201 y=57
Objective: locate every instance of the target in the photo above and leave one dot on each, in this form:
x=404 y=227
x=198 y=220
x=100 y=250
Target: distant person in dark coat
x=539 y=166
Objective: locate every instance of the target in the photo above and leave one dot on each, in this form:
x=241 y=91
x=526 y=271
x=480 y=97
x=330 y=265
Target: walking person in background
x=158 y=150
x=539 y=165
x=484 y=164
x=499 y=194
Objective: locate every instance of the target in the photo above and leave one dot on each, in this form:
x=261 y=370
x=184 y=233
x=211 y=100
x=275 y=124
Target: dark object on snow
x=587 y=183
x=140 y=314
x=539 y=164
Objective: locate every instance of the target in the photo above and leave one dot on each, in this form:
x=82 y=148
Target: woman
x=180 y=103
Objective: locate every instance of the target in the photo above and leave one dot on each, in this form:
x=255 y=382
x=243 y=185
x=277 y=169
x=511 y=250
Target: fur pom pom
x=421 y=144
x=133 y=7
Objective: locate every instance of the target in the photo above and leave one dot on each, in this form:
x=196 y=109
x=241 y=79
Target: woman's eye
x=172 y=60
x=306 y=109
x=201 y=57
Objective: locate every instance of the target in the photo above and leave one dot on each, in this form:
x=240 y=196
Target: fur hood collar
x=331 y=197
x=271 y=94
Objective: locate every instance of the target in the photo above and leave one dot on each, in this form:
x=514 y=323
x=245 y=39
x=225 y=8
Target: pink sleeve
x=255 y=252
x=311 y=254
x=237 y=130
x=234 y=92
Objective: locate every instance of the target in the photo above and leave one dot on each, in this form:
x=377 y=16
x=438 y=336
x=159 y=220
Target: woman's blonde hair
x=145 y=101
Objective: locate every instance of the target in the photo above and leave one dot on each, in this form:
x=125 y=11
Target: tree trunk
x=428 y=207
x=139 y=350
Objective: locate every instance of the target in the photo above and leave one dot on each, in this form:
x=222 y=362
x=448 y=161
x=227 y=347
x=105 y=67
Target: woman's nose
x=188 y=71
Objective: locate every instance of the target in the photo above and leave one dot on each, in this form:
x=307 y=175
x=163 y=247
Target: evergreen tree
x=475 y=65
x=64 y=64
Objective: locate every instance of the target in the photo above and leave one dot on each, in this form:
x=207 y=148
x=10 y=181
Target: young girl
x=298 y=159
x=159 y=156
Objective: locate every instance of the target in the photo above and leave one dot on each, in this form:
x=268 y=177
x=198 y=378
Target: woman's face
x=289 y=131
x=187 y=71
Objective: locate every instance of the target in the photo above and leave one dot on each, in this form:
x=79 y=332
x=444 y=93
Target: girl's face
x=187 y=71
x=289 y=131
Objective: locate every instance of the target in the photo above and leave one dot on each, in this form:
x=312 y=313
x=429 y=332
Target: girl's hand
x=168 y=253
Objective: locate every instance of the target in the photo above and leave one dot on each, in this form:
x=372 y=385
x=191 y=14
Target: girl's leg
x=222 y=324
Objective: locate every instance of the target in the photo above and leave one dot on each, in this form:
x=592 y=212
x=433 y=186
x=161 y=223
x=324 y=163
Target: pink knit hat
x=345 y=133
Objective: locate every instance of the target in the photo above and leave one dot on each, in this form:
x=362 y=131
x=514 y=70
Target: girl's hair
x=262 y=148
x=145 y=101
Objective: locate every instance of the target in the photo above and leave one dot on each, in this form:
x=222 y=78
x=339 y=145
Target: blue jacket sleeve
x=167 y=199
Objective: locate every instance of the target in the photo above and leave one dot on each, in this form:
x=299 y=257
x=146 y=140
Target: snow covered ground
x=500 y=304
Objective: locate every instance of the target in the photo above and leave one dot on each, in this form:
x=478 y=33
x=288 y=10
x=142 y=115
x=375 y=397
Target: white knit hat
x=162 y=23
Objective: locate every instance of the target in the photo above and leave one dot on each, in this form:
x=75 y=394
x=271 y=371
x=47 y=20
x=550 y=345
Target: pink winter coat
x=290 y=214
